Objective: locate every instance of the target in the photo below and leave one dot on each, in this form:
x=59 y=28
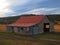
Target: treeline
x=9 y=20
x=54 y=17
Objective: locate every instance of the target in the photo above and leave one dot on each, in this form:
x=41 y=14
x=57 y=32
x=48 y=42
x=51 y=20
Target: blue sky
x=18 y=7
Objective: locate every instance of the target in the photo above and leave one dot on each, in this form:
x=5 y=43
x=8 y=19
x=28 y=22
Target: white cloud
x=3 y=4
x=4 y=8
x=6 y=4
x=23 y=2
x=5 y=11
x=40 y=11
x=56 y=11
x=18 y=2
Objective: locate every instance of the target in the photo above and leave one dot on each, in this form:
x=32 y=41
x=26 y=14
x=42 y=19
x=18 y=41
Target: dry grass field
x=57 y=28
x=3 y=28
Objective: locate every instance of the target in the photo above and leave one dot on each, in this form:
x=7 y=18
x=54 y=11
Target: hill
x=8 y=20
x=54 y=17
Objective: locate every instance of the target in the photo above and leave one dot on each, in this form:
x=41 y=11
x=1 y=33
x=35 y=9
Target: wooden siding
x=17 y=29
x=34 y=29
x=41 y=25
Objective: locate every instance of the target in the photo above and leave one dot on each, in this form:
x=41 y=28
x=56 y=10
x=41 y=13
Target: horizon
x=28 y=15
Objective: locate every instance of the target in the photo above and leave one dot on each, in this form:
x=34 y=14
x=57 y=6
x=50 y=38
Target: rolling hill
x=8 y=20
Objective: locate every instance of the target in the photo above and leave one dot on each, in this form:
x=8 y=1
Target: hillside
x=54 y=17
x=8 y=20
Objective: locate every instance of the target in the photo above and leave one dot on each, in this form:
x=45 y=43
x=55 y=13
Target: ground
x=40 y=39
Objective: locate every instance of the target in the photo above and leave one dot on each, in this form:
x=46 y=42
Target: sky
x=18 y=7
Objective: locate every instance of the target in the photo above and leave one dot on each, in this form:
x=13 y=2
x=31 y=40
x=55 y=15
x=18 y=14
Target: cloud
x=40 y=11
x=23 y=2
x=7 y=5
x=56 y=11
x=16 y=7
x=18 y=2
x=3 y=4
x=11 y=6
x=4 y=7
x=5 y=11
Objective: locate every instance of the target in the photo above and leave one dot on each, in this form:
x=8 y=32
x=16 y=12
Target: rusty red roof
x=26 y=21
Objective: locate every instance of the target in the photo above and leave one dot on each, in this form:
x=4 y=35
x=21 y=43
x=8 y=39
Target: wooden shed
x=31 y=25
x=3 y=28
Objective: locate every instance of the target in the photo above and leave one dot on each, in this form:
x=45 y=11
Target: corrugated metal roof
x=26 y=21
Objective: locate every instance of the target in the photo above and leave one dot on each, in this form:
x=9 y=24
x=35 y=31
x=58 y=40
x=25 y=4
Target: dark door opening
x=12 y=28
x=46 y=27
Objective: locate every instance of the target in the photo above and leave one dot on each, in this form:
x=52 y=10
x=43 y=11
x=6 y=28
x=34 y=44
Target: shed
x=31 y=25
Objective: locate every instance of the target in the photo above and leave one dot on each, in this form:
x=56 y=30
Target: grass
x=24 y=42
x=7 y=38
x=49 y=35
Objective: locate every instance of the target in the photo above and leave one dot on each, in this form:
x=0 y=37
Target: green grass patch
x=7 y=38
x=49 y=36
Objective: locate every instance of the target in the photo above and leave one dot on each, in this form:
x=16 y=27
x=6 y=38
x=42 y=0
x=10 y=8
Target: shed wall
x=46 y=20
x=34 y=29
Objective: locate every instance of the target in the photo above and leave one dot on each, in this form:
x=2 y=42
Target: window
x=18 y=29
x=22 y=28
x=47 y=26
x=12 y=28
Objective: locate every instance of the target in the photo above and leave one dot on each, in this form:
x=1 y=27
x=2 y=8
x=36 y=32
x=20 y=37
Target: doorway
x=46 y=27
x=12 y=28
